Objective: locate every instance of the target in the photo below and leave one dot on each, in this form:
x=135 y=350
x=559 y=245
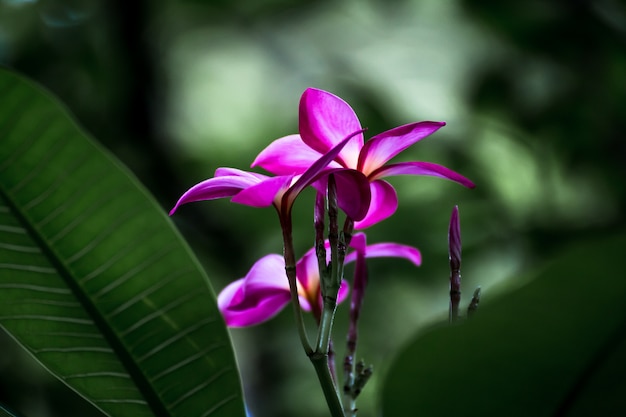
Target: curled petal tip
x=175 y=208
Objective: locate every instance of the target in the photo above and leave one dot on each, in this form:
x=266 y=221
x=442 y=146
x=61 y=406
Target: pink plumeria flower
x=324 y=120
x=258 y=190
x=264 y=291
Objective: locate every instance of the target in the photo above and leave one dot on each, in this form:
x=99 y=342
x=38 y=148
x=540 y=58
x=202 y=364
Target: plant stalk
x=320 y=363
x=330 y=288
x=290 y=271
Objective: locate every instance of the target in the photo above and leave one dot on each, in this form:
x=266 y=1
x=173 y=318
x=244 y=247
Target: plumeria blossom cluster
x=329 y=153
x=325 y=120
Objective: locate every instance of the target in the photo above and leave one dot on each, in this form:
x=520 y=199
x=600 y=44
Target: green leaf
x=95 y=282
x=5 y=412
x=555 y=347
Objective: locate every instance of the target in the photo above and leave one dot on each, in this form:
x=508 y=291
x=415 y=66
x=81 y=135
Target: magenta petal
x=325 y=120
x=382 y=147
x=257 y=297
x=234 y=172
x=255 y=309
x=288 y=155
x=344 y=290
x=308 y=272
x=267 y=272
x=214 y=188
x=358 y=243
x=390 y=250
x=383 y=204
x=353 y=193
x=265 y=193
x=422 y=168
x=312 y=173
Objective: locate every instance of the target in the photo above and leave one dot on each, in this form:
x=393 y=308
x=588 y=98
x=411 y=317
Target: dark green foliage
x=556 y=347
x=95 y=282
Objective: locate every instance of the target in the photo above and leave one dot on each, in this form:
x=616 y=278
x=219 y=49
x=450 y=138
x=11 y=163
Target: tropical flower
x=258 y=190
x=324 y=120
x=264 y=292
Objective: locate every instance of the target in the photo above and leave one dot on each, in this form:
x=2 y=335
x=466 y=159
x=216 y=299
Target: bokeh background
x=534 y=94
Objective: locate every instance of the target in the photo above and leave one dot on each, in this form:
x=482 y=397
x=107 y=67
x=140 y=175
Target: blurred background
x=533 y=93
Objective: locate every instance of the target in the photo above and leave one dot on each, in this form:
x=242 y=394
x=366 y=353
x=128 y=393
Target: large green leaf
x=4 y=412
x=555 y=347
x=95 y=282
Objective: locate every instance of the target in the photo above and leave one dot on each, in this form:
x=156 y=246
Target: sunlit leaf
x=555 y=347
x=95 y=282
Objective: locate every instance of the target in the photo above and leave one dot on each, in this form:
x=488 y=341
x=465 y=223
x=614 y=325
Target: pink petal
x=213 y=188
x=353 y=192
x=421 y=168
x=307 y=271
x=225 y=171
x=390 y=250
x=344 y=290
x=304 y=303
x=325 y=120
x=257 y=308
x=358 y=243
x=377 y=250
x=382 y=147
x=288 y=155
x=267 y=272
x=265 y=193
x=257 y=297
x=313 y=172
x=383 y=204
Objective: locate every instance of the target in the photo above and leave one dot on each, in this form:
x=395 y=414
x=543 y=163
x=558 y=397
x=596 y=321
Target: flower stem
x=326 y=326
x=353 y=373
x=290 y=270
x=331 y=361
x=330 y=288
x=330 y=281
x=320 y=363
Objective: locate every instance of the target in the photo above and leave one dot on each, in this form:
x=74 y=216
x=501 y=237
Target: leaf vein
x=178 y=336
x=52 y=290
x=200 y=387
x=134 y=271
x=158 y=313
x=188 y=360
x=220 y=405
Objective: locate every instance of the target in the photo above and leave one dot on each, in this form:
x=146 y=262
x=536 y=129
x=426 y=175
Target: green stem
x=290 y=270
x=320 y=362
x=326 y=324
x=352 y=405
x=330 y=288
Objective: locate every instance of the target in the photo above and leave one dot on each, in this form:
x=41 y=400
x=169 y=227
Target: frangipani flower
x=264 y=291
x=324 y=120
x=258 y=190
